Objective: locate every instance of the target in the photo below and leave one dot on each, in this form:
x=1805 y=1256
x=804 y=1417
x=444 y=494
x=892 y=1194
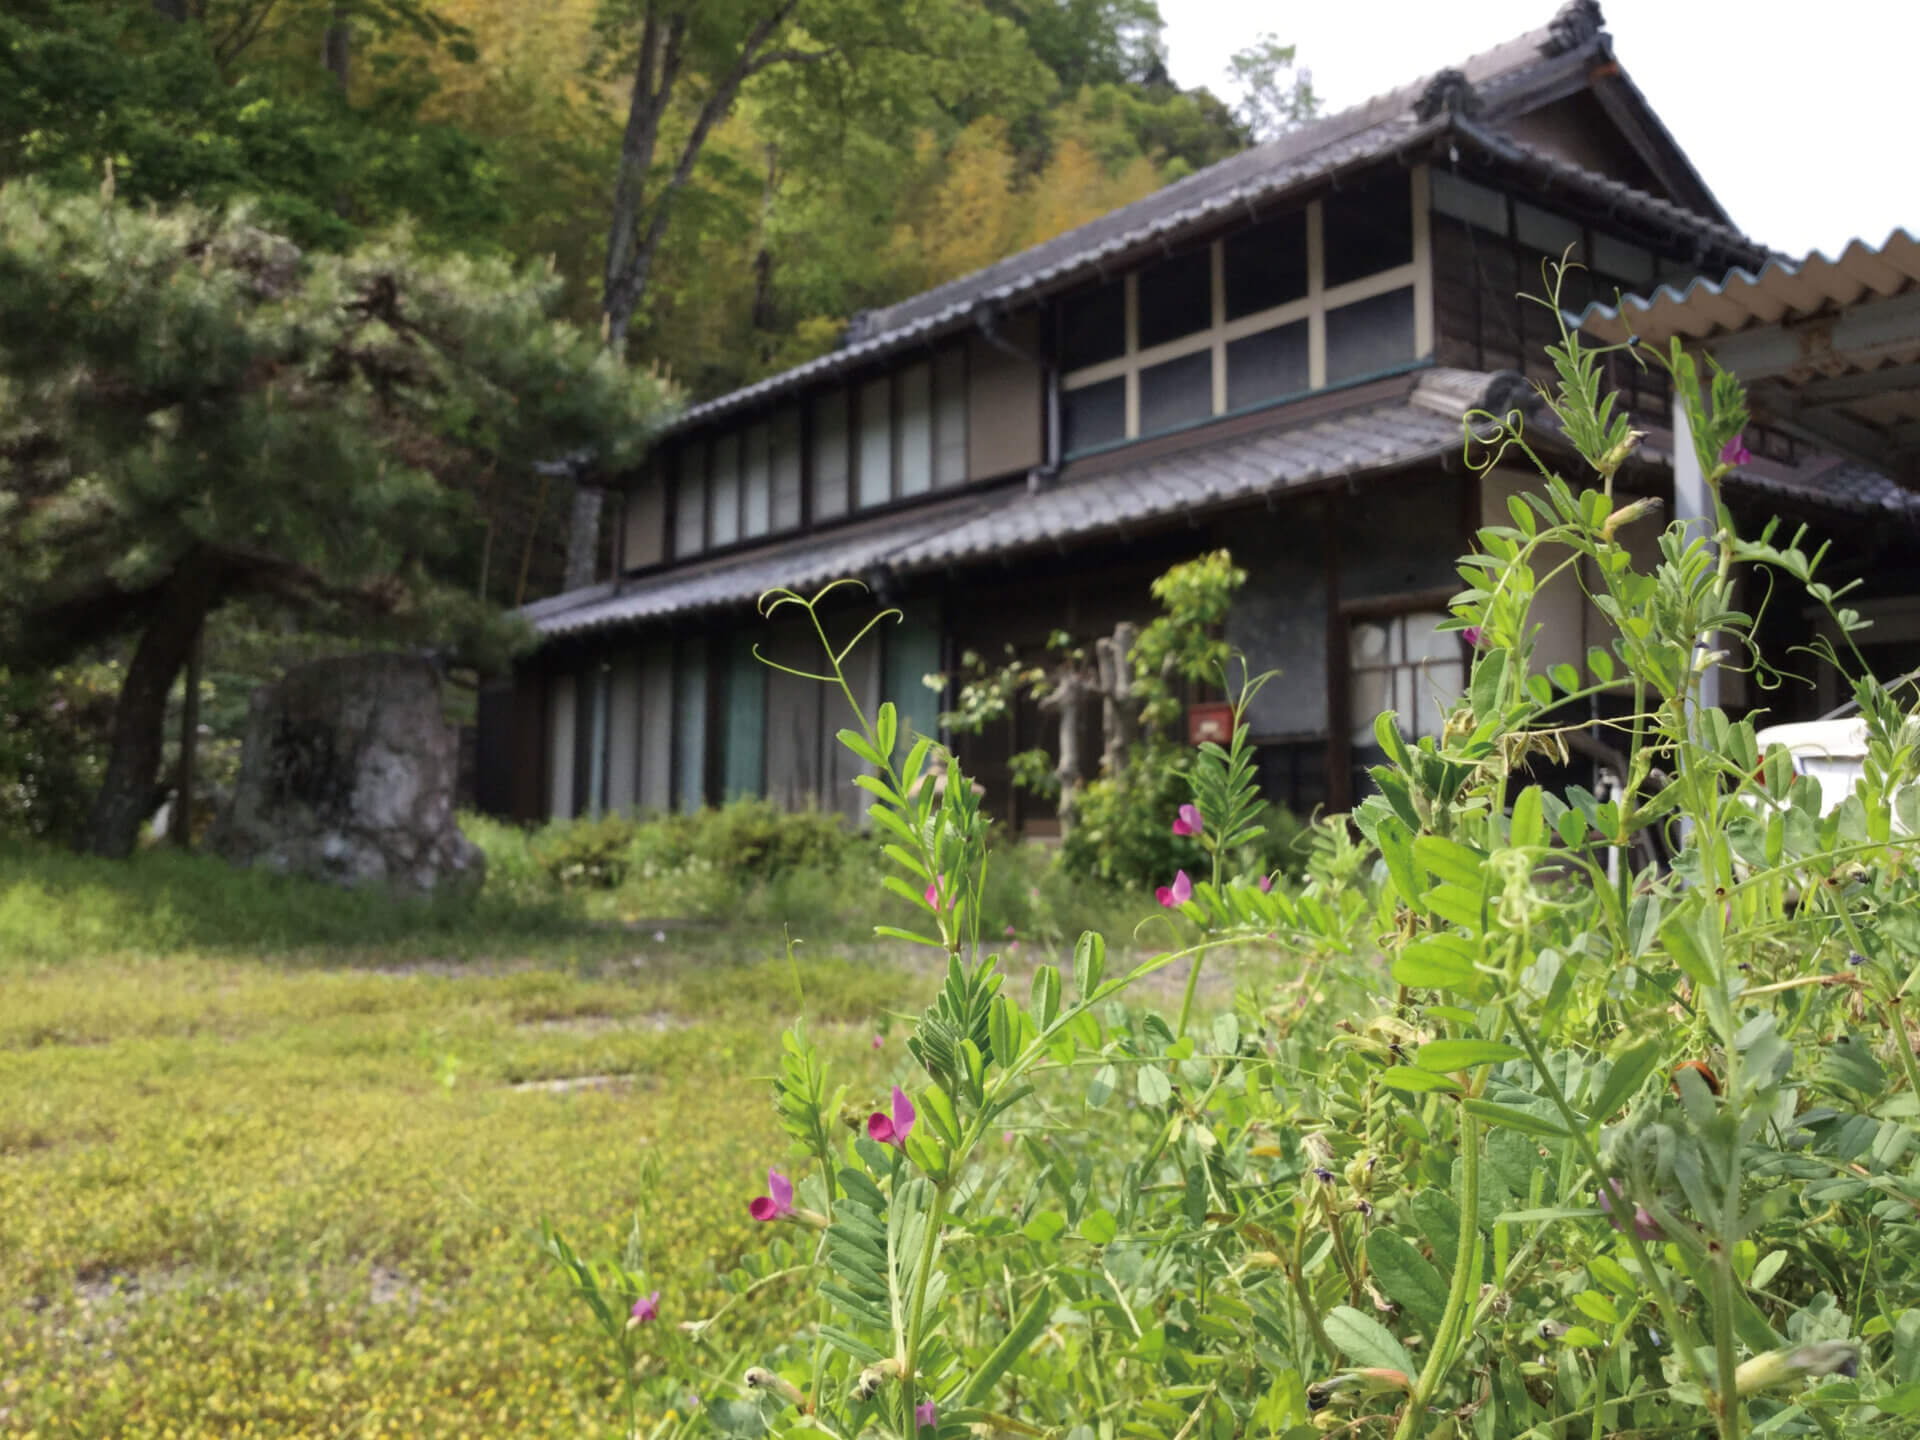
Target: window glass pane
x=756 y=484
x=1368 y=226
x=690 y=728
x=746 y=723
x=1176 y=297
x=1266 y=265
x=1093 y=415
x=1093 y=326
x=690 y=501
x=830 y=455
x=876 y=443
x=1621 y=260
x=1545 y=231
x=723 y=490
x=1267 y=366
x=950 y=417
x=783 y=464
x=1176 y=392
x=916 y=429
x=1369 y=336
x=912 y=654
x=1463 y=200
x=595 y=687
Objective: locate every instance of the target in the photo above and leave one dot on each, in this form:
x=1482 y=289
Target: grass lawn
x=270 y=1156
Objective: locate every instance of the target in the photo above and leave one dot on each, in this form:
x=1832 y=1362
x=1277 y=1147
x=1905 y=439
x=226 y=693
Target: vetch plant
x=1517 y=1133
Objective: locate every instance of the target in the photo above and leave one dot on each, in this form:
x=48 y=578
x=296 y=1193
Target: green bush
x=1123 y=829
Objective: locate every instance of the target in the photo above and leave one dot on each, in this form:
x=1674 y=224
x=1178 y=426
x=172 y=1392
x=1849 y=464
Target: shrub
x=1122 y=835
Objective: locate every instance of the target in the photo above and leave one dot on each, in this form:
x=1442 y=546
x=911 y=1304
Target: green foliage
x=54 y=905
x=1513 y=1140
x=304 y=425
x=52 y=729
x=1185 y=641
x=84 y=85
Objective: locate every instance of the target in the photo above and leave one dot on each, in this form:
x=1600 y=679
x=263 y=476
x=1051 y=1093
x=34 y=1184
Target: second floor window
x=890 y=437
x=1324 y=295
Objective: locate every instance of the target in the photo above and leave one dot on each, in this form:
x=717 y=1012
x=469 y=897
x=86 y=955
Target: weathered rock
x=347 y=774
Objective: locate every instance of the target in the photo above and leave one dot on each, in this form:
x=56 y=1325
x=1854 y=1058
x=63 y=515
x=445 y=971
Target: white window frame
x=1416 y=274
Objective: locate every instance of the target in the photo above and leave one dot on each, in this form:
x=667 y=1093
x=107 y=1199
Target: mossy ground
x=270 y=1157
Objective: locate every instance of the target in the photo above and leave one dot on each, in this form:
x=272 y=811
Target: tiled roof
x=1398 y=122
x=1422 y=425
x=1829 y=484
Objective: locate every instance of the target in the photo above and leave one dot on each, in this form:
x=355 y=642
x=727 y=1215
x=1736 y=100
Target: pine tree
x=193 y=411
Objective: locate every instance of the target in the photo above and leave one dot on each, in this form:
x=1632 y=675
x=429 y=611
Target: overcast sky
x=1801 y=119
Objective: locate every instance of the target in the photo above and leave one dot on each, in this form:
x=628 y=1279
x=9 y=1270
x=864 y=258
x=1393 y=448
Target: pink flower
x=1474 y=636
x=1735 y=452
x=1266 y=884
x=894 y=1130
x=926 y=1413
x=1177 y=893
x=778 y=1200
x=1010 y=932
x=935 y=894
x=646 y=1308
x=879 y=1042
x=1644 y=1225
x=1187 y=822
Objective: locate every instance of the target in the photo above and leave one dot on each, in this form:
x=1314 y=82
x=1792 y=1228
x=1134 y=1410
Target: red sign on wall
x=1213 y=721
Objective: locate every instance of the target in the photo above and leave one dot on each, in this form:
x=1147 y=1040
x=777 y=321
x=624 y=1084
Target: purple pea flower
x=1735 y=452
x=893 y=1130
x=1177 y=893
x=1266 y=884
x=933 y=893
x=778 y=1200
x=1644 y=1225
x=1474 y=636
x=926 y=1413
x=879 y=1042
x=646 y=1308
x=1188 y=821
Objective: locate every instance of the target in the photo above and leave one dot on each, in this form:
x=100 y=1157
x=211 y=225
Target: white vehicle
x=1832 y=750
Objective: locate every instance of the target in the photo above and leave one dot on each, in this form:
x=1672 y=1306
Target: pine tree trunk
x=583 y=536
x=131 y=790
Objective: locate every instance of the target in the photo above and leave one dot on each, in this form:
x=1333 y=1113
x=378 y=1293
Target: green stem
x=1466 y=1272
x=916 y=1320
x=1186 y=998
x=1577 y=1130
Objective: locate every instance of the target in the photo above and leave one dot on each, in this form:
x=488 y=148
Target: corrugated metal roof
x=1366 y=134
x=1779 y=291
x=1829 y=348
x=1420 y=426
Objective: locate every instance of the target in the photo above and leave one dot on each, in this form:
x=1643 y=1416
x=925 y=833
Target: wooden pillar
x=1339 y=681
x=180 y=826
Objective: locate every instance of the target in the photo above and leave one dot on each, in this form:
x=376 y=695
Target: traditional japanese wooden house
x=1273 y=355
